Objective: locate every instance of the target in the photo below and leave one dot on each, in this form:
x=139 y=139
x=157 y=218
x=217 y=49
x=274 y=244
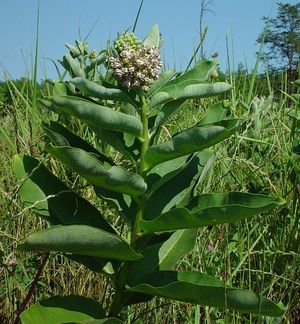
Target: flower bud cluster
x=92 y=54
x=125 y=41
x=136 y=67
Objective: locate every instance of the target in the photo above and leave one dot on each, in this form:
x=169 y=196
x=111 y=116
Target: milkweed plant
x=122 y=96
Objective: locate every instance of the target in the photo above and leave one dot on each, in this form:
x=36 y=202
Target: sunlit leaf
x=188 y=89
x=198 y=288
x=96 y=90
x=61 y=136
x=97 y=115
x=63 y=309
x=189 y=141
x=163 y=255
x=85 y=164
x=82 y=240
x=170 y=189
x=211 y=209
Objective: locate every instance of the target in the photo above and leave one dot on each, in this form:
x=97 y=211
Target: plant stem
x=142 y=170
x=44 y=259
x=145 y=135
x=118 y=300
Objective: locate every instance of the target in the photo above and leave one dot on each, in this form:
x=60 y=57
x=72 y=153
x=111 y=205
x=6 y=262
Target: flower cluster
x=135 y=66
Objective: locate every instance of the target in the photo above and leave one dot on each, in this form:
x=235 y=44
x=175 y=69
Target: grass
x=260 y=254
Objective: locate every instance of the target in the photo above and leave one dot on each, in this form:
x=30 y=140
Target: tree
x=282 y=38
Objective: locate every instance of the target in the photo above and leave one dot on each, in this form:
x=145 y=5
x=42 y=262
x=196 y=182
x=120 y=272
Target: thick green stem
x=142 y=169
x=118 y=300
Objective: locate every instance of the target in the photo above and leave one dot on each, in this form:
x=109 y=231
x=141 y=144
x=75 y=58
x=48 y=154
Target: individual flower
x=210 y=248
x=12 y=261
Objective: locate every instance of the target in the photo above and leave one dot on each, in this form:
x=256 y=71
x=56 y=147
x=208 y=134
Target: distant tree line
x=281 y=39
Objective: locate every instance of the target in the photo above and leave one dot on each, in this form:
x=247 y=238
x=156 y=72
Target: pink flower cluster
x=136 y=67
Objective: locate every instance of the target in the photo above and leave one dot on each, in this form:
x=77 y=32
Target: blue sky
x=178 y=20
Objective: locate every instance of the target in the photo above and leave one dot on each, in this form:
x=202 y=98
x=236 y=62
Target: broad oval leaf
x=66 y=309
x=82 y=240
x=114 y=139
x=115 y=178
x=188 y=89
x=163 y=78
x=211 y=209
x=200 y=72
x=97 y=115
x=61 y=136
x=165 y=113
x=51 y=198
x=189 y=141
x=198 y=288
x=163 y=255
x=96 y=90
x=215 y=113
x=172 y=188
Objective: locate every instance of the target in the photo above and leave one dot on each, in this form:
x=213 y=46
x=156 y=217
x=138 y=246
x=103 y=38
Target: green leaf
x=188 y=89
x=153 y=39
x=72 y=66
x=49 y=105
x=93 y=64
x=95 y=264
x=73 y=49
x=215 y=113
x=98 y=116
x=197 y=288
x=107 y=320
x=115 y=178
x=56 y=203
x=163 y=78
x=96 y=90
x=200 y=72
x=163 y=255
x=297 y=83
x=60 y=89
x=211 y=209
x=61 y=136
x=173 y=90
x=169 y=190
x=165 y=113
x=51 y=198
x=114 y=139
x=66 y=309
x=189 y=141
x=82 y=240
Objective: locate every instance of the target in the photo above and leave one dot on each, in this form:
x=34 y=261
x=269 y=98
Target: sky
x=64 y=21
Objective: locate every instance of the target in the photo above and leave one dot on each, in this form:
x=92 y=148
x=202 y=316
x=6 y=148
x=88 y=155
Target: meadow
x=259 y=254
